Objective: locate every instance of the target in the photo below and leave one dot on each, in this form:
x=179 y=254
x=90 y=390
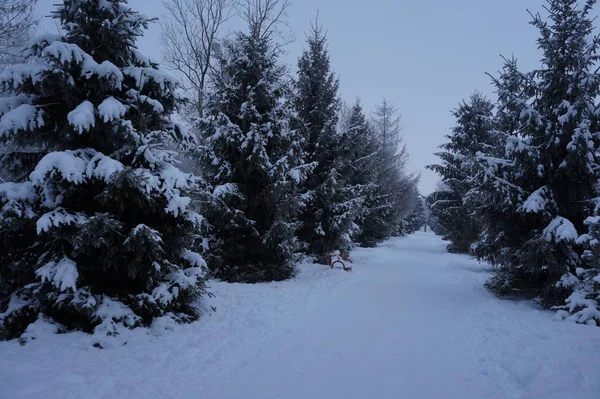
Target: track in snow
x=410 y=321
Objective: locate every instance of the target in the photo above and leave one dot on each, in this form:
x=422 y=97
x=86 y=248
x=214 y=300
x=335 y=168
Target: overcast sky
x=424 y=56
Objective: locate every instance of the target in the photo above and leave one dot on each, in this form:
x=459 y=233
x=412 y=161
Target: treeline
x=520 y=177
x=99 y=226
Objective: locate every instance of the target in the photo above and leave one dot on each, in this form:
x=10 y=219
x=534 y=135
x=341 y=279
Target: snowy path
x=410 y=321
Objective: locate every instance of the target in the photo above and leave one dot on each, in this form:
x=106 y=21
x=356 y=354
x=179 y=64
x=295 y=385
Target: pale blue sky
x=424 y=56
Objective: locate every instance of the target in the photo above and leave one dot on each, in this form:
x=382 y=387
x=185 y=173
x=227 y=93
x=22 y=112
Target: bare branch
x=268 y=18
x=17 y=21
x=191 y=30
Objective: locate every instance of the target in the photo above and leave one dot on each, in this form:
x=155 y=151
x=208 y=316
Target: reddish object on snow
x=338 y=258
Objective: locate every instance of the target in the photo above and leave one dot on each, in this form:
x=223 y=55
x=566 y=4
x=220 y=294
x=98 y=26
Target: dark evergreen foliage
x=520 y=190
x=552 y=156
x=253 y=158
x=417 y=218
x=468 y=138
x=327 y=218
x=96 y=232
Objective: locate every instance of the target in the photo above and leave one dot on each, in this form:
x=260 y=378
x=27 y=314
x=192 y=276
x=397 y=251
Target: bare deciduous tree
x=266 y=17
x=191 y=32
x=17 y=20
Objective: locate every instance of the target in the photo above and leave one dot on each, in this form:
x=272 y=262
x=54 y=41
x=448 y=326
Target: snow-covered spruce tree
x=555 y=158
x=495 y=185
x=99 y=234
x=434 y=223
x=327 y=218
x=358 y=152
x=253 y=157
x=417 y=218
x=468 y=137
x=374 y=170
x=583 y=304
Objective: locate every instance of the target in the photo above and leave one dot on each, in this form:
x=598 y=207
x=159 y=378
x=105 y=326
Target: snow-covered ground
x=410 y=321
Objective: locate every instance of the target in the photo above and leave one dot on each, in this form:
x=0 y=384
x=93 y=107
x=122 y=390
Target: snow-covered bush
x=98 y=230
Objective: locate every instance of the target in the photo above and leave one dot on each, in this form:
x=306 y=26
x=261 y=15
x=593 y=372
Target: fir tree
x=327 y=218
x=99 y=232
x=358 y=171
x=468 y=138
x=554 y=158
x=417 y=218
x=495 y=190
x=583 y=303
x=434 y=223
x=253 y=158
